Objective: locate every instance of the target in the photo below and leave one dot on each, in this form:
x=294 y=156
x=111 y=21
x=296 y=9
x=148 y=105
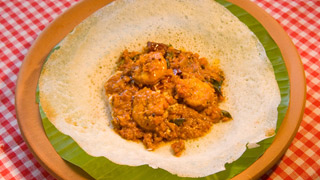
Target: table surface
x=22 y=21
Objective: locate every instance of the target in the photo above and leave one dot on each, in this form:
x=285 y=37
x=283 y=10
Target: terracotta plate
x=28 y=111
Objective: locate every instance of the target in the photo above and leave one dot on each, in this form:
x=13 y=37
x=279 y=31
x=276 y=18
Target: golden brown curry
x=165 y=95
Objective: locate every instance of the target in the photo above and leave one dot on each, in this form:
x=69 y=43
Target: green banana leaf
x=102 y=168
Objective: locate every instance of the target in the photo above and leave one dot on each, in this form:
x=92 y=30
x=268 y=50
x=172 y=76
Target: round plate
x=28 y=111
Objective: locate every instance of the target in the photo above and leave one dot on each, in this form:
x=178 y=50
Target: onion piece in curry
x=165 y=95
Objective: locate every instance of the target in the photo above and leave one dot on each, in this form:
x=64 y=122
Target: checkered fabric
x=22 y=21
x=301 y=20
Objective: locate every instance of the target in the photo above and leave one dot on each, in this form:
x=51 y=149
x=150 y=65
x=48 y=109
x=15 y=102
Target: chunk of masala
x=163 y=95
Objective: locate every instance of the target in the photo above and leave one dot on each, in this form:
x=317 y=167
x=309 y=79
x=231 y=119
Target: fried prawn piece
x=195 y=93
x=149 y=68
x=149 y=109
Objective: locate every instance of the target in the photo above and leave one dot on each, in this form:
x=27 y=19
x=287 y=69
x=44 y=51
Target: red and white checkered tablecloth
x=21 y=21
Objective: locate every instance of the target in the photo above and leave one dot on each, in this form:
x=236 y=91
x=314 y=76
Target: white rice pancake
x=73 y=97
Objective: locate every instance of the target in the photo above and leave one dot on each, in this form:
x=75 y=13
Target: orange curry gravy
x=165 y=95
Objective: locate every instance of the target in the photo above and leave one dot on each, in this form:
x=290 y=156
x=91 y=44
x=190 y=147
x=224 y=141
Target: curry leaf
x=217 y=86
x=226 y=114
x=178 y=121
x=168 y=56
x=135 y=58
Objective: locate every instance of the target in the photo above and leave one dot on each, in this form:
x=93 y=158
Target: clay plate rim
x=28 y=111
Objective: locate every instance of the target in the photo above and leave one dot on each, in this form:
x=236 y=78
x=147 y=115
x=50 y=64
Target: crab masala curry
x=165 y=95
